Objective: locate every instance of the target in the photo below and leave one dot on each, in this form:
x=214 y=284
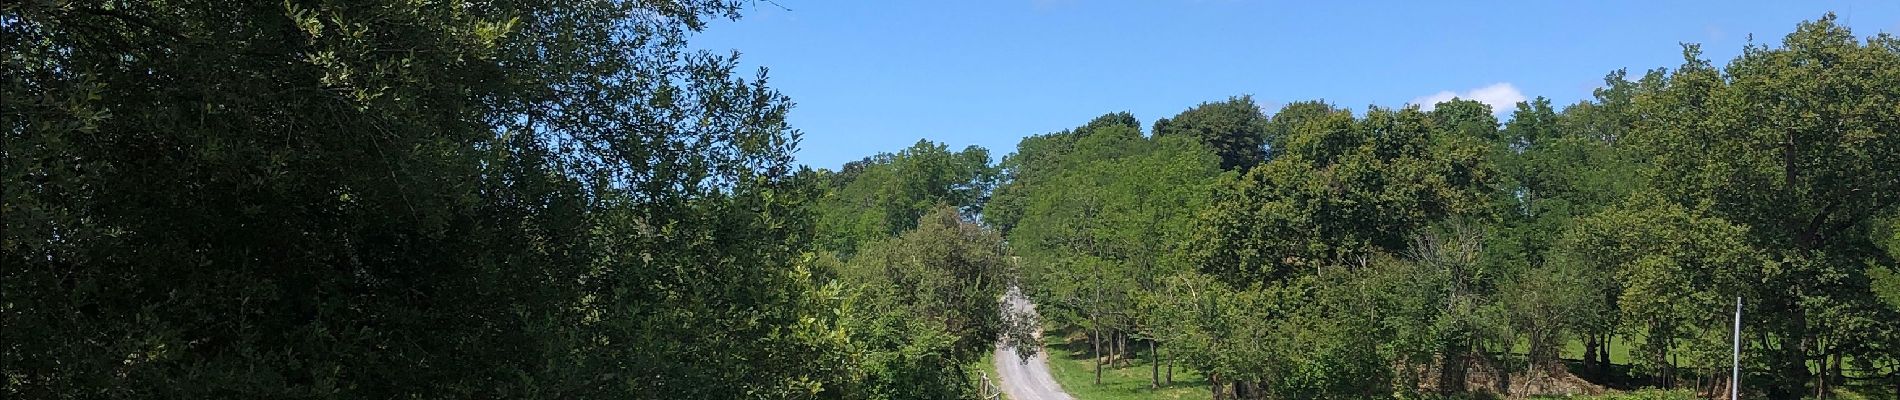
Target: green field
x=1619 y=350
x=1070 y=363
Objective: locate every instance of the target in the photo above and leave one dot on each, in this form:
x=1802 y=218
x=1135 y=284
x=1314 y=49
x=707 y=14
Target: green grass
x=1069 y=362
x=1864 y=390
x=1619 y=350
x=1573 y=350
x=1646 y=394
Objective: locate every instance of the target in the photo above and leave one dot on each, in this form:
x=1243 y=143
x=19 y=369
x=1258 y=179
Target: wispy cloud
x=1502 y=97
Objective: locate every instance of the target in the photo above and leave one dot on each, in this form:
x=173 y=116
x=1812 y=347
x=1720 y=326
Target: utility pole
x=1735 y=375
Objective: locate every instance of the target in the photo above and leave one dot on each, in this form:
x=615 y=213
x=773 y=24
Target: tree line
x=1318 y=252
x=550 y=199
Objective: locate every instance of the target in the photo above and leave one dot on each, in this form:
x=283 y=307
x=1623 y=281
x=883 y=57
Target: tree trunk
x=1669 y=369
x=1834 y=371
x=1823 y=384
x=1535 y=352
x=1213 y=384
x=1171 y=370
x=1121 y=344
x=1095 y=309
x=1821 y=380
x=1609 y=370
x=1126 y=356
x=1154 y=364
x=1451 y=370
x=1096 y=341
x=1793 y=359
x=1121 y=347
x=1699 y=380
x=1590 y=357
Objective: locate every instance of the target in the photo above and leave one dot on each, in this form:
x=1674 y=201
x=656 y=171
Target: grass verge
x=1072 y=367
x=988 y=366
x=1646 y=394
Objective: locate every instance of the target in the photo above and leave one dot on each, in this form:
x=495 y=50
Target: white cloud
x=1430 y=102
x=1502 y=97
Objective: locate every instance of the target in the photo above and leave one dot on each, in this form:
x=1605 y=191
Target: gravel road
x=1026 y=380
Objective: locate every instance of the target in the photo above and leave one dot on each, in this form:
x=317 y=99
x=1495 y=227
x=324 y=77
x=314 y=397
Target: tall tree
x=1341 y=188
x=387 y=199
x=1041 y=157
x=883 y=195
x=929 y=303
x=1674 y=273
x=1235 y=129
x=1795 y=143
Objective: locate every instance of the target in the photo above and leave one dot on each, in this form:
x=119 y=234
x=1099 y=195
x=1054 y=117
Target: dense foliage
x=924 y=295
x=885 y=194
x=1410 y=252
x=929 y=305
x=394 y=199
x=380 y=199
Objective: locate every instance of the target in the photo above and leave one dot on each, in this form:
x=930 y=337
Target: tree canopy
x=387 y=199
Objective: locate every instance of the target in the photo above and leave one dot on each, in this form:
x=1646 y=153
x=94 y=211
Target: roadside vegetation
x=1323 y=252
x=393 y=199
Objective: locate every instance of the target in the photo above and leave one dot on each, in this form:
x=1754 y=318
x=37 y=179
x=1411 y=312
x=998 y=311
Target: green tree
x=1339 y=189
x=1568 y=166
x=1790 y=142
x=377 y=199
x=1676 y=273
x=1341 y=194
x=1103 y=211
x=883 y=195
x=1235 y=129
x=1068 y=238
x=929 y=303
x=1038 y=158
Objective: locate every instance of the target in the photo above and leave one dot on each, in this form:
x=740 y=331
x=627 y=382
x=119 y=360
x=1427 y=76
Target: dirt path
x=1026 y=380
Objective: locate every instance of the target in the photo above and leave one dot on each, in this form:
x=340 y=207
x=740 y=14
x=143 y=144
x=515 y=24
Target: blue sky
x=875 y=76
